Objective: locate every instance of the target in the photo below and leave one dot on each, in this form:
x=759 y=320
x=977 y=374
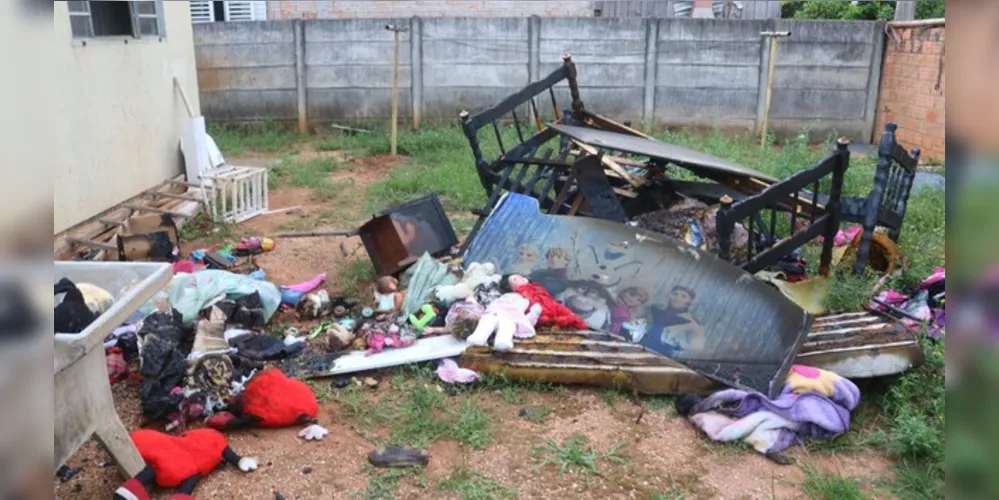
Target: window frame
x=135 y=16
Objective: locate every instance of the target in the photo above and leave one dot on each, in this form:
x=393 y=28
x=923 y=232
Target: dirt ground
x=666 y=457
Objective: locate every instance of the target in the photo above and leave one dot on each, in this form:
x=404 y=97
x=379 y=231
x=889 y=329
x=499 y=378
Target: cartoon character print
x=555 y=277
x=527 y=259
x=609 y=271
x=590 y=301
x=629 y=308
x=674 y=331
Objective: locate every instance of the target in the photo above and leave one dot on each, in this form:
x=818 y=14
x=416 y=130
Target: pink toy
x=509 y=316
x=307 y=286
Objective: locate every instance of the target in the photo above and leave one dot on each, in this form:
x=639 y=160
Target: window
x=96 y=19
x=229 y=10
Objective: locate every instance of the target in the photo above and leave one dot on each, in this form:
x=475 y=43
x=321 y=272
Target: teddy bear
x=509 y=316
x=272 y=399
x=477 y=273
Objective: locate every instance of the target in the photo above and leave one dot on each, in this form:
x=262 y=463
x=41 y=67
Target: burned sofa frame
x=581 y=163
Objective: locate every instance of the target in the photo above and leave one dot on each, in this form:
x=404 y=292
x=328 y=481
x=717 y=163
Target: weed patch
x=470 y=485
x=264 y=137
x=536 y=413
x=577 y=455
x=827 y=486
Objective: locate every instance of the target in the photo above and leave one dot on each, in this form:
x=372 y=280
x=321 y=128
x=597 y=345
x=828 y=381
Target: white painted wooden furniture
x=83 y=402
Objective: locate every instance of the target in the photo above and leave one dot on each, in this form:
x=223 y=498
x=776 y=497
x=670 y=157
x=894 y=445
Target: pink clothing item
x=184 y=266
x=938 y=275
x=844 y=237
x=515 y=307
x=806 y=371
x=450 y=372
x=307 y=286
x=619 y=316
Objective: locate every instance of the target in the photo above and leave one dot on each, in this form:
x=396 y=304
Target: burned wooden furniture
x=580 y=163
x=853 y=345
x=889 y=197
x=786 y=196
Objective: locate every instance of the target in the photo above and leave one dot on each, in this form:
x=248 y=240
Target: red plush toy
x=179 y=461
x=272 y=399
x=552 y=313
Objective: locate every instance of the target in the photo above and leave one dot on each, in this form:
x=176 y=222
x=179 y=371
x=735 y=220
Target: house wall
x=359 y=9
x=702 y=72
x=120 y=118
x=912 y=89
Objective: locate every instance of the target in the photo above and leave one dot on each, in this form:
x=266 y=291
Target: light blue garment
x=189 y=293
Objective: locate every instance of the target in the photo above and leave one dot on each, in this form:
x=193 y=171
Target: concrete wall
x=912 y=89
x=121 y=118
x=348 y=9
x=677 y=71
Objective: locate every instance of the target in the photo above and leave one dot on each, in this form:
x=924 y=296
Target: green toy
x=429 y=313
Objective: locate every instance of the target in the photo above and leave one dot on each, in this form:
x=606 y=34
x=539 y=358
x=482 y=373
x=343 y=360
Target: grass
x=535 y=413
x=577 y=455
x=203 y=227
x=306 y=173
x=820 y=485
x=384 y=486
x=262 y=137
x=511 y=394
x=913 y=411
x=610 y=397
x=472 y=426
x=472 y=485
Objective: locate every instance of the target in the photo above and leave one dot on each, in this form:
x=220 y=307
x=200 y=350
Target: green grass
x=307 y=173
x=511 y=394
x=472 y=427
x=535 y=413
x=472 y=485
x=201 y=226
x=262 y=137
x=610 y=397
x=383 y=486
x=913 y=411
x=820 y=485
x=577 y=455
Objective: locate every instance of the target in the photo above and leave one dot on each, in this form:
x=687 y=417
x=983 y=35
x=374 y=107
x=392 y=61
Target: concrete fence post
x=651 y=70
x=533 y=48
x=763 y=81
x=905 y=10
x=298 y=27
x=874 y=80
x=416 y=69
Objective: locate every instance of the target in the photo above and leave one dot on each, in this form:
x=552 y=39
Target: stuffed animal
x=508 y=316
x=552 y=313
x=179 y=461
x=461 y=320
x=271 y=399
x=477 y=274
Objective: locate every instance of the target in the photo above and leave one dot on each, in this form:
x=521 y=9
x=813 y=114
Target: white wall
x=120 y=118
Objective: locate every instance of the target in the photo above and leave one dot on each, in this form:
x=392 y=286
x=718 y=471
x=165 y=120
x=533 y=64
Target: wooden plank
x=175 y=196
x=111 y=223
x=92 y=243
x=140 y=208
x=610 y=164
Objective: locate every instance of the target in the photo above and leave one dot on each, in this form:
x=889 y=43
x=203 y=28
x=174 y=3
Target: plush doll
x=271 y=399
x=179 y=462
x=509 y=316
x=388 y=298
x=461 y=319
x=552 y=313
x=476 y=274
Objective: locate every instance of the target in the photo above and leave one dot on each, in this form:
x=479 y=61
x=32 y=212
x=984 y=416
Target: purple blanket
x=809 y=414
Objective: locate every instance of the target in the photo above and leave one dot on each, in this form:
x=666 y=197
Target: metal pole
x=772 y=35
x=395 y=94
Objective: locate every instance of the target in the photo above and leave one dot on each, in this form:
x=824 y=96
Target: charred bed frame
x=615 y=185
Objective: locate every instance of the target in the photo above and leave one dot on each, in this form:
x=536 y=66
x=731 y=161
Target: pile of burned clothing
x=813 y=403
x=198 y=342
x=924 y=306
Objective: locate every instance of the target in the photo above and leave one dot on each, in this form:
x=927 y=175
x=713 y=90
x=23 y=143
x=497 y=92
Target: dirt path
x=665 y=457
